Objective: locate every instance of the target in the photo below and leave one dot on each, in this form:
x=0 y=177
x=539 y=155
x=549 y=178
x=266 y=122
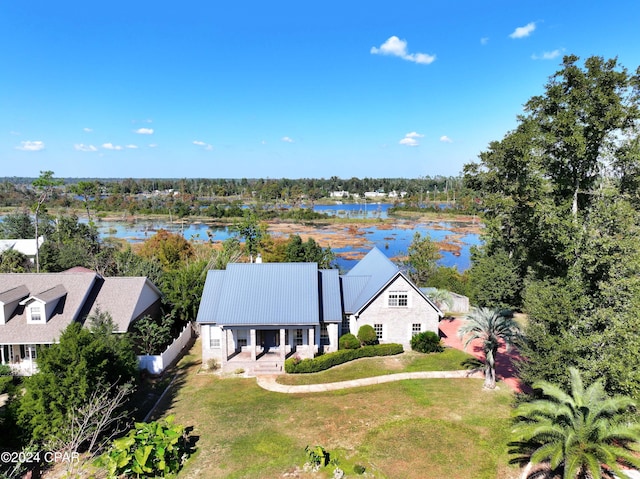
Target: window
x=35 y=313
x=298 y=337
x=346 y=327
x=324 y=334
x=242 y=342
x=416 y=328
x=398 y=299
x=214 y=343
x=378 y=330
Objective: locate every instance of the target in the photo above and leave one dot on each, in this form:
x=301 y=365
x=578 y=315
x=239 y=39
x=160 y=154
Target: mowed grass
x=434 y=428
x=410 y=361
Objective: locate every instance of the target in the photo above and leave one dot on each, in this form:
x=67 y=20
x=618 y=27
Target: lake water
x=393 y=242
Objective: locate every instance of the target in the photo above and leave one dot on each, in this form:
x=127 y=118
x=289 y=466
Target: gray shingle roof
x=269 y=294
x=51 y=294
x=14 y=294
x=124 y=298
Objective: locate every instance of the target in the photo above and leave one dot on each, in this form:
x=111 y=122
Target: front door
x=270 y=339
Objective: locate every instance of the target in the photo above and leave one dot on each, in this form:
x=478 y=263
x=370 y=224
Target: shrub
x=341 y=356
x=367 y=335
x=348 y=341
x=212 y=364
x=359 y=469
x=426 y=342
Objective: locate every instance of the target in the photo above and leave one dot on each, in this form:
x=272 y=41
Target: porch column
x=332 y=329
x=252 y=338
x=312 y=340
x=2 y=355
x=283 y=346
x=224 y=346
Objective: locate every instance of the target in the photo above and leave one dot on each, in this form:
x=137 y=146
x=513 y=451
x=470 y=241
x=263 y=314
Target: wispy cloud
x=87 y=130
x=31 y=146
x=153 y=145
x=144 y=131
x=411 y=139
x=484 y=40
x=111 y=146
x=286 y=139
x=132 y=147
x=522 y=32
x=204 y=145
x=83 y=147
x=446 y=139
x=547 y=55
x=398 y=48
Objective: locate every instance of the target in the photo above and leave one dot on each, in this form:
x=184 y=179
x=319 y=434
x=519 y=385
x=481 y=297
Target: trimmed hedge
x=295 y=365
x=367 y=335
x=348 y=341
x=427 y=342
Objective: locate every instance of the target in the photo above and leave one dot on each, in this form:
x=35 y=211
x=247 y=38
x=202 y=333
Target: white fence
x=157 y=363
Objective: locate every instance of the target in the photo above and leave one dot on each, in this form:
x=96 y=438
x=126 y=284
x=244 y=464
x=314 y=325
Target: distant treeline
x=220 y=198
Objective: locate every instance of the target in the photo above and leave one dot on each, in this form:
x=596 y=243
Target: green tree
x=68 y=373
x=13 y=261
x=308 y=252
x=85 y=189
x=492 y=328
x=182 y=289
x=18 y=225
x=583 y=434
x=151 y=336
x=70 y=243
x=494 y=279
x=421 y=258
x=250 y=229
x=44 y=186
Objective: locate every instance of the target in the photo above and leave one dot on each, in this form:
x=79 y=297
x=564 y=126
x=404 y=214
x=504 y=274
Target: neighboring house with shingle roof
x=253 y=309
x=36 y=307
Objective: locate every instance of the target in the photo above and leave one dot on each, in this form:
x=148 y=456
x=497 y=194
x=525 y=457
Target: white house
x=253 y=312
x=36 y=307
x=27 y=247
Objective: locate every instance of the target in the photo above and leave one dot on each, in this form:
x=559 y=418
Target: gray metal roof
x=271 y=294
x=331 y=297
x=373 y=272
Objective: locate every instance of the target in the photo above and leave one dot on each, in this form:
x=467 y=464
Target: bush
x=359 y=469
x=212 y=364
x=348 y=341
x=426 y=342
x=326 y=361
x=367 y=335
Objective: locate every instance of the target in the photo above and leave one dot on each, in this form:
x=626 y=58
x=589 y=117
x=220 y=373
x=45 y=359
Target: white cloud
x=206 y=146
x=547 y=55
x=111 y=146
x=30 y=146
x=410 y=139
x=398 y=48
x=144 y=131
x=522 y=32
x=132 y=147
x=87 y=130
x=446 y=139
x=286 y=139
x=153 y=145
x=83 y=147
x=484 y=40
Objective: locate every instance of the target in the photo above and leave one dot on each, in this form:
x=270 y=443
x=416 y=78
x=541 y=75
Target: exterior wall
x=207 y=331
x=146 y=302
x=397 y=321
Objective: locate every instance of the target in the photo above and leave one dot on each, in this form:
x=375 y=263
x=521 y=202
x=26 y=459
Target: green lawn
x=409 y=429
x=410 y=361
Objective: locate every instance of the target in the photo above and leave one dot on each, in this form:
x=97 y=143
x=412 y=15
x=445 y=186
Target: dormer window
x=36 y=313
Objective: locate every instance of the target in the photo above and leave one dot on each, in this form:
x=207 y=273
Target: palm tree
x=491 y=326
x=585 y=434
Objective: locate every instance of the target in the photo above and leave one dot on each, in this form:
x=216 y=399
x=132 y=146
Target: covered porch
x=21 y=358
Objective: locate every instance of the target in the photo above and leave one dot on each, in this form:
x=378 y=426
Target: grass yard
x=409 y=429
x=449 y=360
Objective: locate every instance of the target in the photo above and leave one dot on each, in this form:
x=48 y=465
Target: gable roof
x=366 y=279
x=82 y=292
x=270 y=294
x=369 y=278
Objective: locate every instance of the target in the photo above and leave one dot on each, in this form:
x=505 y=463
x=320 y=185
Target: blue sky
x=282 y=88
